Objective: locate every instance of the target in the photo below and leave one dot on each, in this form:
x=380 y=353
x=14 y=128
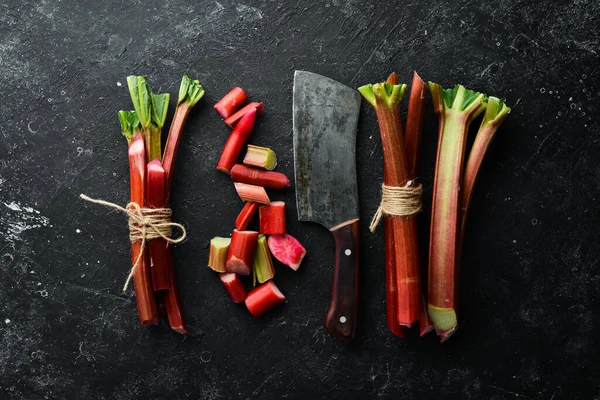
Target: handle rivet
x=348 y=252
x=342 y=318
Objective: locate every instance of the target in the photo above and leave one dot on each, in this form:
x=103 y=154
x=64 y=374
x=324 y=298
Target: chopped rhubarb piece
x=236 y=118
x=155 y=198
x=264 y=298
x=262 y=265
x=217 y=256
x=231 y=102
x=287 y=249
x=234 y=286
x=261 y=157
x=255 y=176
x=254 y=193
x=272 y=218
x=236 y=141
x=246 y=215
x=241 y=252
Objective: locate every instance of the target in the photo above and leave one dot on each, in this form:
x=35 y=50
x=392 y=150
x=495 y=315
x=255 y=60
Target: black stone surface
x=530 y=276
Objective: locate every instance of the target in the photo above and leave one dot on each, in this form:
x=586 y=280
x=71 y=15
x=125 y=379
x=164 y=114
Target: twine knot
x=144 y=224
x=398 y=201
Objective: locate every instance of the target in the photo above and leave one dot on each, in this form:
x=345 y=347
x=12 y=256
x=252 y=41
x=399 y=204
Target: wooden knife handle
x=343 y=311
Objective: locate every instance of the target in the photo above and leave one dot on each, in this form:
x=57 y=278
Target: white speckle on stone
x=119 y=84
x=32 y=272
x=514 y=241
x=78 y=230
x=7 y=321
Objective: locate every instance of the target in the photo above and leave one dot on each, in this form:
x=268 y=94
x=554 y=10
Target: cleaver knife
x=325 y=116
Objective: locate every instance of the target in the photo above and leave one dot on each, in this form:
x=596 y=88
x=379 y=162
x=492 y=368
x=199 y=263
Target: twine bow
x=400 y=201
x=144 y=224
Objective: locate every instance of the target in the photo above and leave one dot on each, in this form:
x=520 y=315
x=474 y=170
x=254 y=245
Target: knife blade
x=325 y=120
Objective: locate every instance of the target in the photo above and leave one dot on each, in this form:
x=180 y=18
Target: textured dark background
x=530 y=280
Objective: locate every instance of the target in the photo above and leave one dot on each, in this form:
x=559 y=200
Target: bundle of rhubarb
x=248 y=252
x=456 y=108
x=151 y=176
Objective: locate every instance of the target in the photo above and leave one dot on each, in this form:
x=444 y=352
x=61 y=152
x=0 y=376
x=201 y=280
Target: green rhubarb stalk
x=495 y=113
x=219 y=246
x=262 y=266
x=455 y=108
x=262 y=157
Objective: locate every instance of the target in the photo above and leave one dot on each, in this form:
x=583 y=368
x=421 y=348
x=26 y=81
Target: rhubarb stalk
x=386 y=98
x=155 y=198
x=413 y=134
x=245 y=216
x=142 y=281
x=455 y=108
x=237 y=117
x=495 y=113
x=190 y=92
x=231 y=102
x=236 y=141
x=255 y=176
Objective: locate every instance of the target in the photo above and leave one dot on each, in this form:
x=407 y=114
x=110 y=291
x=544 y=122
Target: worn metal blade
x=325 y=122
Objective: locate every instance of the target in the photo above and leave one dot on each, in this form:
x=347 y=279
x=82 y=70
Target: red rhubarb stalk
x=414 y=123
x=190 y=92
x=272 y=218
x=386 y=98
x=391 y=290
x=264 y=298
x=155 y=198
x=455 y=108
x=254 y=176
x=246 y=215
x=231 y=102
x=234 y=287
x=287 y=249
x=241 y=252
x=237 y=117
x=413 y=134
x=142 y=281
x=252 y=193
x=236 y=141
x=261 y=157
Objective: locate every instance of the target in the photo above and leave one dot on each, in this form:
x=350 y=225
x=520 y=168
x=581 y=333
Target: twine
x=398 y=201
x=144 y=224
